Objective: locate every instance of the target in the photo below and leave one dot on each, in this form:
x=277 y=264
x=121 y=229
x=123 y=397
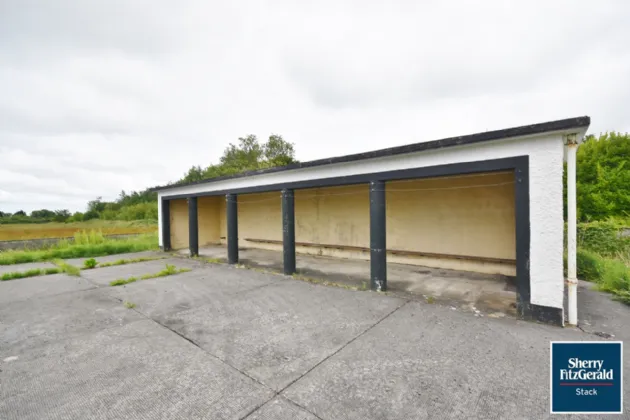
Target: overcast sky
x=101 y=96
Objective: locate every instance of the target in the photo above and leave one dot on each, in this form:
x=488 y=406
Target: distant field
x=62 y=230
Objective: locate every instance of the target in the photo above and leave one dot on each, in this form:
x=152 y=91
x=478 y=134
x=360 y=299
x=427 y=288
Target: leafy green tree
x=43 y=214
x=76 y=217
x=195 y=173
x=603 y=177
x=61 y=215
x=95 y=206
x=278 y=152
x=246 y=155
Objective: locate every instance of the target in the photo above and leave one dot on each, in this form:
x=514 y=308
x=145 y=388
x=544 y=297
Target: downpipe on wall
x=572 y=283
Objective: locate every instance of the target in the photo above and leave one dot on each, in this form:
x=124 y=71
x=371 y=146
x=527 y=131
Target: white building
x=489 y=202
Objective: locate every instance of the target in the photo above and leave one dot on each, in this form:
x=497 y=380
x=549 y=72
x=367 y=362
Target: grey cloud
x=138 y=27
x=477 y=50
x=100 y=96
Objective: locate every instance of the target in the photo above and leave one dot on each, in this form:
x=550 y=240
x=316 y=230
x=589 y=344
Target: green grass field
x=15 y=232
x=86 y=244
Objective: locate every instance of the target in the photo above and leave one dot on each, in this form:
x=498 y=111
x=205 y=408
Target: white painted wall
x=546 y=219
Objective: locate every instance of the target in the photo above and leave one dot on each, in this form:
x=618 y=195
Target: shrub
x=602 y=237
x=91 y=237
x=140 y=211
x=590 y=265
x=623 y=296
x=615 y=276
x=76 y=217
x=89 y=263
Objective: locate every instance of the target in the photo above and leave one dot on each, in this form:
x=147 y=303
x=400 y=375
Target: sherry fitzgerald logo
x=586 y=377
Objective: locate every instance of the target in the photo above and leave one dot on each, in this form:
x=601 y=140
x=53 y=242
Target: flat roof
x=525 y=130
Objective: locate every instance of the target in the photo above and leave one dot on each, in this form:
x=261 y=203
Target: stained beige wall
x=208 y=213
x=333 y=216
x=179 y=223
x=259 y=217
x=470 y=216
x=453 y=215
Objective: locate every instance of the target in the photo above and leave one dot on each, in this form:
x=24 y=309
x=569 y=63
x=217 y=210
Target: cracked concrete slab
x=72 y=351
x=12 y=291
x=277 y=333
x=429 y=362
x=162 y=296
x=103 y=276
x=38 y=322
x=139 y=371
x=280 y=409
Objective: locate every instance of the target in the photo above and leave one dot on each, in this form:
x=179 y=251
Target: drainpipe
x=572 y=145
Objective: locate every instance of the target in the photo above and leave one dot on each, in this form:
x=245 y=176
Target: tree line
x=603 y=181
x=248 y=154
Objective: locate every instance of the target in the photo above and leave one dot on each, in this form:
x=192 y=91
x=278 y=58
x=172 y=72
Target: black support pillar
x=193 y=227
x=166 y=225
x=232 y=228
x=378 y=250
x=288 y=231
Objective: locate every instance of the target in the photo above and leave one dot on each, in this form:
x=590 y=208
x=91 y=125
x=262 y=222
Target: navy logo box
x=586 y=377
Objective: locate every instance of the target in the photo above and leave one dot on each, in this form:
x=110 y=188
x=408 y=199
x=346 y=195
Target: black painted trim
x=378 y=235
x=231 y=208
x=166 y=224
x=545 y=314
x=288 y=231
x=193 y=227
x=523 y=237
x=558 y=125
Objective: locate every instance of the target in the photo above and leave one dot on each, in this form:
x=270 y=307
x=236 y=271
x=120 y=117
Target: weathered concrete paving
x=34 y=287
x=490 y=293
x=139 y=370
x=281 y=409
x=159 y=299
x=50 y=319
x=221 y=342
x=103 y=276
x=278 y=333
x=429 y=362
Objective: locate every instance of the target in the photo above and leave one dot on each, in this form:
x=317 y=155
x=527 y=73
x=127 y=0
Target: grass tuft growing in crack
x=168 y=271
x=124 y=261
x=121 y=282
x=89 y=264
x=29 y=273
x=129 y=305
x=69 y=269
